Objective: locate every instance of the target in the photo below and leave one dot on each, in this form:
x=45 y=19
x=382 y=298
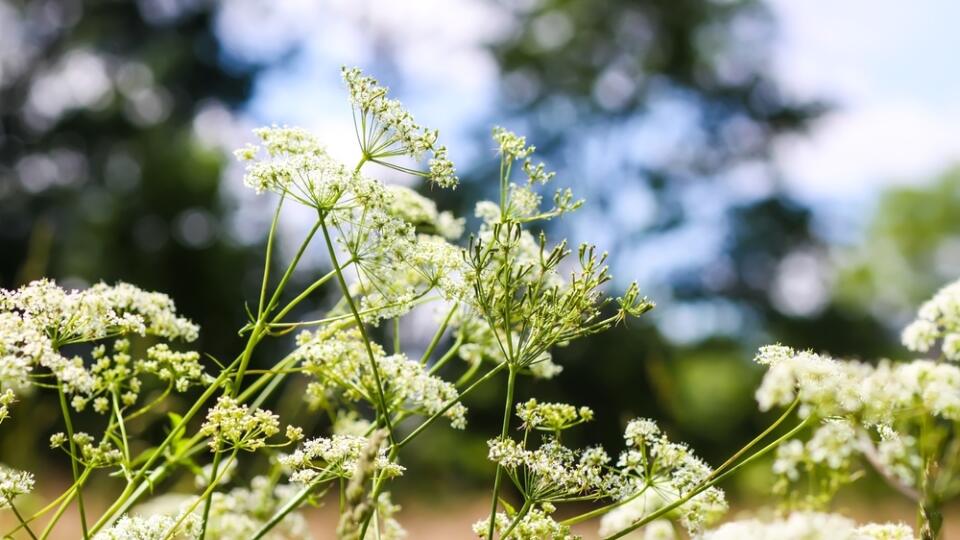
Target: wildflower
x=937 y=320
x=231 y=425
x=552 y=416
x=422 y=212
x=511 y=145
x=181 y=369
x=322 y=459
x=385 y=129
x=92 y=454
x=535 y=525
x=652 y=462
x=809 y=526
x=7 y=398
x=340 y=364
x=297 y=165
x=153 y=527
x=552 y=472
x=243 y=510
x=98 y=312
x=823 y=385
x=13 y=483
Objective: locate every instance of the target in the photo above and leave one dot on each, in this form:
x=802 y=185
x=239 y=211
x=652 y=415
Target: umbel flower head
x=342 y=370
x=658 y=472
x=809 y=526
x=386 y=130
x=323 y=459
x=231 y=425
x=13 y=483
x=39 y=318
x=938 y=322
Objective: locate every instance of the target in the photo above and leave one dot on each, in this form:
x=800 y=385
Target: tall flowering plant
x=506 y=297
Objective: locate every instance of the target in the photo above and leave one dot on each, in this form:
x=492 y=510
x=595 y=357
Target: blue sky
x=889 y=68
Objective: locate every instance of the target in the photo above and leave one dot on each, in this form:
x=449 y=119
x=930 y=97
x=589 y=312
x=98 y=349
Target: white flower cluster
x=554 y=473
x=422 y=212
x=342 y=367
x=93 y=454
x=96 y=313
x=832 y=445
x=937 y=321
x=181 y=369
x=877 y=394
x=823 y=385
x=653 y=462
x=809 y=526
x=551 y=417
x=323 y=459
x=237 y=513
x=894 y=400
x=232 y=425
x=39 y=318
x=386 y=129
x=536 y=525
x=242 y=511
x=13 y=483
x=294 y=163
x=152 y=527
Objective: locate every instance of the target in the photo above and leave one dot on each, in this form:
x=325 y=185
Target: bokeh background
x=768 y=170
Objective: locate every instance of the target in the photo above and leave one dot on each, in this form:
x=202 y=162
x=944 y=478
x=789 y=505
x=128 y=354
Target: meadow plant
x=506 y=296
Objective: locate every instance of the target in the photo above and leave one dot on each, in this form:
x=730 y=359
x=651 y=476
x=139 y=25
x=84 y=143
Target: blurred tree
x=102 y=172
x=911 y=248
x=669 y=113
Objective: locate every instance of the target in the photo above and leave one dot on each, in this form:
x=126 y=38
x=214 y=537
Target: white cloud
x=886 y=67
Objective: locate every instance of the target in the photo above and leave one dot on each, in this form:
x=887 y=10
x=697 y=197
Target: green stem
x=282 y=512
x=451 y=352
x=507 y=409
x=437 y=336
x=709 y=483
x=20 y=518
x=516 y=520
x=453 y=402
x=135 y=484
x=755 y=440
x=206 y=494
x=267 y=258
x=73 y=458
x=602 y=510
x=208 y=498
x=384 y=413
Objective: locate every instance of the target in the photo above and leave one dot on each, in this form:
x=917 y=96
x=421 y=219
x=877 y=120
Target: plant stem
x=507 y=409
x=451 y=403
x=20 y=518
x=709 y=483
x=205 y=496
x=451 y=352
x=437 y=336
x=282 y=512
x=73 y=458
x=269 y=255
x=135 y=483
x=208 y=498
x=384 y=413
x=516 y=520
x=755 y=440
x=602 y=510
